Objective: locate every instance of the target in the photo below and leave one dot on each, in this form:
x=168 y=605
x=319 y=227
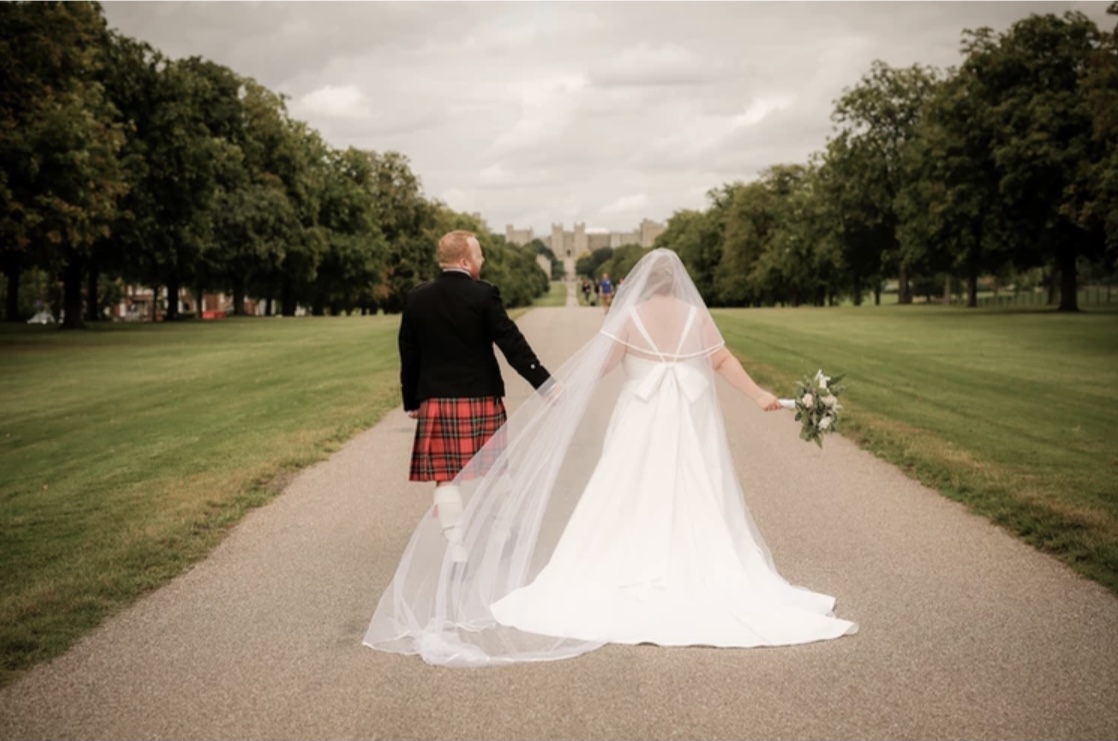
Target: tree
x=408 y=222
x=696 y=236
x=188 y=149
x=590 y=265
x=1101 y=88
x=1034 y=78
x=748 y=218
x=131 y=77
x=849 y=199
x=622 y=261
x=355 y=256
x=537 y=246
x=950 y=207
x=875 y=119
x=60 y=177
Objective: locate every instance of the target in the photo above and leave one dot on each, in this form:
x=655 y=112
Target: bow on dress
x=692 y=382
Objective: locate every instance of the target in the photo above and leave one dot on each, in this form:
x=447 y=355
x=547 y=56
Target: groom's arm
x=508 y=337
x=409 y=363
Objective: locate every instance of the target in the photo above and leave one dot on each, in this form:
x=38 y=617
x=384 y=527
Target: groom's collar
x=451 y=272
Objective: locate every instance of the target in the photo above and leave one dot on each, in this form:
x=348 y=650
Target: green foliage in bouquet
x=817 y=406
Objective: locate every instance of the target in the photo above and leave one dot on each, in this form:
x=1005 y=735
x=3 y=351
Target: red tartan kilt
x=450 y=432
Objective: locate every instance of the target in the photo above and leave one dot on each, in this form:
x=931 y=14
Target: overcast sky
x=533 y=113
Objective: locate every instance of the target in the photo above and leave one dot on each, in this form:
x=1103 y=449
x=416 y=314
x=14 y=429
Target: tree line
x=120 y=165
x=1005 y=164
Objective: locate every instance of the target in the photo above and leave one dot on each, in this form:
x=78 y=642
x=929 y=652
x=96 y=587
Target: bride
x=586 y=526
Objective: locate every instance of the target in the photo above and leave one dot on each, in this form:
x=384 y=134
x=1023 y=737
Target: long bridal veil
x=521 y=489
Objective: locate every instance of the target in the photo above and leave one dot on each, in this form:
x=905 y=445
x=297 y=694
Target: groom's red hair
x=455 y=246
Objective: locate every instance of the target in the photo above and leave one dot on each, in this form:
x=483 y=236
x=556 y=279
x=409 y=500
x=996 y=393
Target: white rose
x=830 y=400
x=825 y=423
x=808 y=400
x=821 y=380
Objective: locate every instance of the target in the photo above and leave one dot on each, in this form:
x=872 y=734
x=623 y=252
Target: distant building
x=518 y=236
x=142 y=304
x=568 y=246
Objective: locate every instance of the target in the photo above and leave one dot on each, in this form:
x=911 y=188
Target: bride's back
x=667 y=328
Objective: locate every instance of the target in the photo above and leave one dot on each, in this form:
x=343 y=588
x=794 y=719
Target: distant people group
x=603 y=289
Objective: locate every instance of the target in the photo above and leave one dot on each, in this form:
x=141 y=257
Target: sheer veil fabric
x=608 y=510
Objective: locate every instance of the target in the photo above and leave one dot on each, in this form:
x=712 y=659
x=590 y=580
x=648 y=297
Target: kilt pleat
x=450 y=432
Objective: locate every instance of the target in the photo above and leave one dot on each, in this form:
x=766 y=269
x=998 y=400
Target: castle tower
x=649 y=231
x=563 y=249
x=580 y=244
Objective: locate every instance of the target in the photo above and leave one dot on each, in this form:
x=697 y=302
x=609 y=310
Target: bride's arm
x=730 y=368
x=615 y=354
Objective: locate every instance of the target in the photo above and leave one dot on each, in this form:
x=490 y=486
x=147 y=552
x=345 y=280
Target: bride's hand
x=768 y=402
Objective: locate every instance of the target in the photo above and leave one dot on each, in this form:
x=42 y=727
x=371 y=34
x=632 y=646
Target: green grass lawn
x=1008 y=411
x=127 y=451
x=557 y=296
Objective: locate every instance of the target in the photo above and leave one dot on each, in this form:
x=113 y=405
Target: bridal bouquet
x=816 y=405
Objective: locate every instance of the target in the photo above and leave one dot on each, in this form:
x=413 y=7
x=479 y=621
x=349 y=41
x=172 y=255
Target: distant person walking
x=606 y=287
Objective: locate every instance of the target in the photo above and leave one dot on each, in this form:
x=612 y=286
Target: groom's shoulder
x=420 y=289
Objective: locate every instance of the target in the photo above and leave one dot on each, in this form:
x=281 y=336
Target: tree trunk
x=268 y=305
x=92 y=310
x=947 y=290
x=1051 y=285
x=972 y=288
x=11 y=309
x=1069 y=283
x=72 y=295
x=238 y=297
x=288 y=299
x=857 y=291
x=904 y=295
x=877 y=295
x=172 y=312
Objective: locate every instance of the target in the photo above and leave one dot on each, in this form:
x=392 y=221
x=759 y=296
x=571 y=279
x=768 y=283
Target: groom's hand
x=552 y=391
x=413 y=413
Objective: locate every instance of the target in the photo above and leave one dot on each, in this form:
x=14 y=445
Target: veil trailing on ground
x=521 y=489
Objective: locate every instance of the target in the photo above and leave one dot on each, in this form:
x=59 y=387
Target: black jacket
x=447 y=332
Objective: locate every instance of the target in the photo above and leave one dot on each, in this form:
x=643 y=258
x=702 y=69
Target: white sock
x=448 y=499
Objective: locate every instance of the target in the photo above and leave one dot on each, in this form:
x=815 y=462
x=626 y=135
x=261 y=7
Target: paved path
x=965 y=633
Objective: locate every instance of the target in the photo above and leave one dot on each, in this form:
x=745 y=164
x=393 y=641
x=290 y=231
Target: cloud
x=663 y=64
x=536 y=113
x=761 y=107
x=547 y=106
x=345 y=101
x=626 y=204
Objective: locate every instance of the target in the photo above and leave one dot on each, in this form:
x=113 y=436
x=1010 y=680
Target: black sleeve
x=516 y=349
x=409 y=363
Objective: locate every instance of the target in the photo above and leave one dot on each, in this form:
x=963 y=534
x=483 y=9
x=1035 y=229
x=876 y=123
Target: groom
x=449 y=375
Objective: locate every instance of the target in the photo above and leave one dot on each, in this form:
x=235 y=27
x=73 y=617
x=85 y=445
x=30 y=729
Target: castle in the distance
x=568 y=246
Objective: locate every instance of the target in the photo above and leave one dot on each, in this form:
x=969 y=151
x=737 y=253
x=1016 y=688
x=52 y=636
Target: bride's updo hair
x=661 y=274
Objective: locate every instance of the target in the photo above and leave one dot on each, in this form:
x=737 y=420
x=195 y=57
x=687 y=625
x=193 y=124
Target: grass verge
x=556 y=296
x=128 y=451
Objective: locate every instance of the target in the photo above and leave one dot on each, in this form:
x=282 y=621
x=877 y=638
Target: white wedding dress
x=607 y=512
x=659 y=548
